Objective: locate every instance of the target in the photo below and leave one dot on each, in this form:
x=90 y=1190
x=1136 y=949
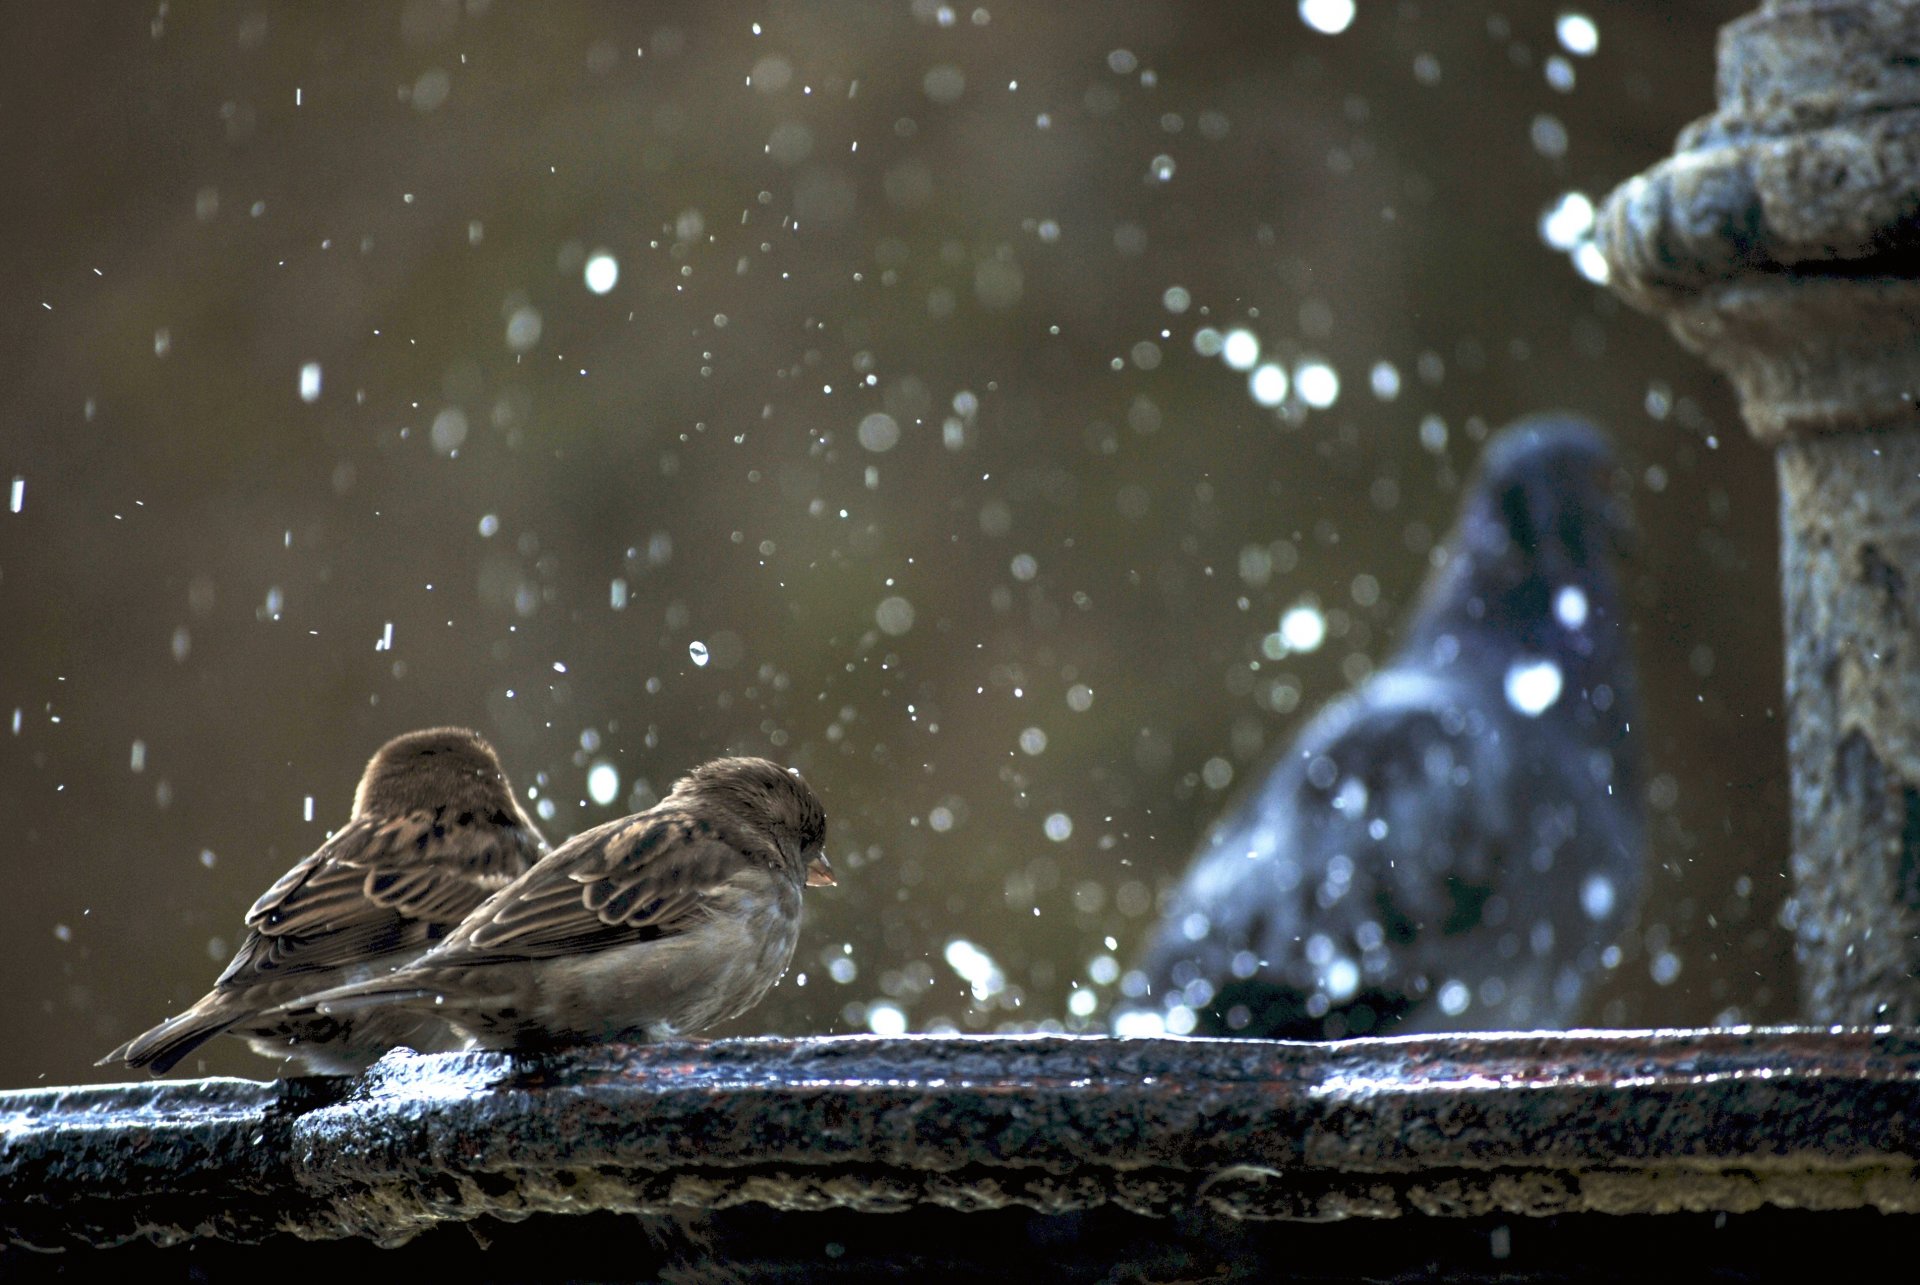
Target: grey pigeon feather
x=1454 y=844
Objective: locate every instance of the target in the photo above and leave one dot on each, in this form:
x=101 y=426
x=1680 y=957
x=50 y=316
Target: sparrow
x=435 y=830
x=653 y=926
x=1454 y=844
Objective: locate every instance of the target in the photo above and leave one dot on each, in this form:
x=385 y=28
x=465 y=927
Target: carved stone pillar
x=1781 y=241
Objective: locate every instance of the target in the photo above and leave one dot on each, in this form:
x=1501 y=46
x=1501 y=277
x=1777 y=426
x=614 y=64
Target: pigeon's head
x=1547 y=491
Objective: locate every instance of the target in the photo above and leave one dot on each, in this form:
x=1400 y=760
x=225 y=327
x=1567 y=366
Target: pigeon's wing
x=639 y=879
x=380 y=886
x=1329 y=889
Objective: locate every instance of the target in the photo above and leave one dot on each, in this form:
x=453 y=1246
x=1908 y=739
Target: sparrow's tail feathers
x=159 y=1048
x=358 y=997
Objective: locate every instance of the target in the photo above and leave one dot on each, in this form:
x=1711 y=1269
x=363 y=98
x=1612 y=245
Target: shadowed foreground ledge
x=1619 y=1123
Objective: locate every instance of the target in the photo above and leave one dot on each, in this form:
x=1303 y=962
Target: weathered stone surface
x=1519 y=1125
x=1850 y=557
x=1782 y=242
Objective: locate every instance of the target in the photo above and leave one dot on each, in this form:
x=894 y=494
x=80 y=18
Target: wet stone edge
x=1521 y=1124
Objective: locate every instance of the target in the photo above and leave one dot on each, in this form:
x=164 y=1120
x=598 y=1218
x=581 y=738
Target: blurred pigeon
x=435 y=830
x=1452 y=845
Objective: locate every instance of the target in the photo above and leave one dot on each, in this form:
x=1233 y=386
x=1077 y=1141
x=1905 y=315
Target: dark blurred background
x=374 y=366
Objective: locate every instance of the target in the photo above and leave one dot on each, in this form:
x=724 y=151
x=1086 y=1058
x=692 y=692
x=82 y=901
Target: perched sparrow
x=435 y=830
x=651 y=926
x=1454 y=844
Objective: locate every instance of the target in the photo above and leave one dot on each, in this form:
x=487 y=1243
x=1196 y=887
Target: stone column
x=1781 y=241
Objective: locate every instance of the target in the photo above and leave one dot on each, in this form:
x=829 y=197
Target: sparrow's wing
x=638 y=879
x=1376 y=842
x=381 y=885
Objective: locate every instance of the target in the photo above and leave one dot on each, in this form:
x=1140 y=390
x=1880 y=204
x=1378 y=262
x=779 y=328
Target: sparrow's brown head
x=772 y=799
x=448 y=767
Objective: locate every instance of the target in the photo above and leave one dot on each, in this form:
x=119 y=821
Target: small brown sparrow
x=435 y=830
x=648 y=927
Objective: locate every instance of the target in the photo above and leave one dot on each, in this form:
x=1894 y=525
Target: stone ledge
x=1522 y=1125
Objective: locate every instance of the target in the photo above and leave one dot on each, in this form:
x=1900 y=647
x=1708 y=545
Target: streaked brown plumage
x=435 y=830
x=652 y=926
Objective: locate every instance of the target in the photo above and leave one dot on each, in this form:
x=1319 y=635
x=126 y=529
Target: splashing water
x=1533 y=686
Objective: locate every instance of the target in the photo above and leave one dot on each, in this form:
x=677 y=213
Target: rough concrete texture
x=1504 y=1125
x=1782 y=241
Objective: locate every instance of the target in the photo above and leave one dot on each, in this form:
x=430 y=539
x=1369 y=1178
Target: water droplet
x=1303 y=628
x=1578 y=34
x=602 y=272
x=886 y=1019
x=449 y=431
x=523 y=328
x=1597 y=897
x=603 y=783
x=976 y=968
x=1140 y=1024
x=1591 y=263
x=1568 y=223
x=894 y=616
x=879 y=432
x=1533 y=685
x=1385 y=380
x=1570 y=606
x=1268 y=384
x=1342 y=980
x=1549 y=136
x=1328 y=17
x=1240 y=349
x=1319 y=384
x=1665 y=968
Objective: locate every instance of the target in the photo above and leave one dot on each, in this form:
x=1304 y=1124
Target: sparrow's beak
x=819 y=873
